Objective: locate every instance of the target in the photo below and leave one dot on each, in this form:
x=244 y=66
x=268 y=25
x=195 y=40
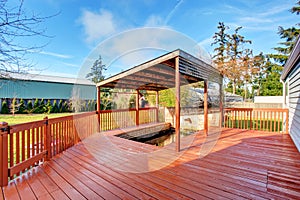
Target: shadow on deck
x=226 y=164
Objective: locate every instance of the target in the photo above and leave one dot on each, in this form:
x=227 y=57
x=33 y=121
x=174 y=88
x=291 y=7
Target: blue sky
x=121 y=28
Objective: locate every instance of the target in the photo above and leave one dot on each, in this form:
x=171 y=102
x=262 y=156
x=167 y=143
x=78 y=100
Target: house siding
x=294 y=104
x=46 y=90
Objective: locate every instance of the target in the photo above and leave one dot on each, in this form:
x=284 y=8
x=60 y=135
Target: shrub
x=36 y=106
x=54 y=107
x=29 y=108
x=48 y=106
x=66 y=107
x=42 y=107
x=60 y=106
x=5 y=109
x=14 y=106
x=22 y=107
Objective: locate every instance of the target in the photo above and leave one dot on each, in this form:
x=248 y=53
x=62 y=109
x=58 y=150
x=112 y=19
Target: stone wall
x=192 y=118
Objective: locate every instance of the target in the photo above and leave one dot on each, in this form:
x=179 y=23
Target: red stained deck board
x=241 y=165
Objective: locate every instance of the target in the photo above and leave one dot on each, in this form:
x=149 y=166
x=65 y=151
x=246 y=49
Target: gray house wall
x=291 y=78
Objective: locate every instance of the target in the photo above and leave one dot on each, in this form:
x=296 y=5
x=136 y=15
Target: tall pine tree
x=96 y=75
x=271 y=85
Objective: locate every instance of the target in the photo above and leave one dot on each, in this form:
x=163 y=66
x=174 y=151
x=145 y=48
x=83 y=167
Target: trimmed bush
x=22 y=107
x=60 y=106
x=48 y=106
x=5 y=109
x=42 y=107
x=54 y=107
x=36 y=106
x=29 y=108
x=66 y=107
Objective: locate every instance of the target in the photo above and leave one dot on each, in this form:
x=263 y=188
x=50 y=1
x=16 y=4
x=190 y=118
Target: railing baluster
x=256 y=119
x=4 y=134
x=17 y=140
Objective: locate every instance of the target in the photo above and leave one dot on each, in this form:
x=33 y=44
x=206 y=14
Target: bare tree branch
x=16 y=24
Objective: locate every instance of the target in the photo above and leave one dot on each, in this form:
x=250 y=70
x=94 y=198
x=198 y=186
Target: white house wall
x=294 y=105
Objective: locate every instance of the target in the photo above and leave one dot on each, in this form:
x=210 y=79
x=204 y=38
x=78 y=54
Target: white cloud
x=260 y=20
x=170 y=15
x=136 y=46
x=154 y=21
x=70 y=65
x=97 y=25
x=58 y=55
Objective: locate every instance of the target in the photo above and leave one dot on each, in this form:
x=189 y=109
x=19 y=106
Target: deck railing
x=122 y=118
x=263 y=119
x=23 y=146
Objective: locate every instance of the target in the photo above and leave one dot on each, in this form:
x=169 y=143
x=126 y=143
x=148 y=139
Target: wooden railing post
x=157 y=106
x=47 y=139
x=4 y=131
x=251 y=119
x=177 y=103
x=287 y=121
x=205 y=107
x=99 y=108
x=137 y=108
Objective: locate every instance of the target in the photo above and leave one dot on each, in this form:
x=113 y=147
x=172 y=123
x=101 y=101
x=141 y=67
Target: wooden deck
x=233 y=164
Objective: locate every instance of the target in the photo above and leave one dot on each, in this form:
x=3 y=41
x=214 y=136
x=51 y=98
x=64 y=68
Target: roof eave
x=293 y=59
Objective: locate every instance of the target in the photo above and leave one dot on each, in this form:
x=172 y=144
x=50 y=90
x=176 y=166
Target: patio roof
x=159 y=73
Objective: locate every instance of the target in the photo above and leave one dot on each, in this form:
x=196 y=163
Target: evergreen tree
x=29 y=108
x=42 y=108
x=93 y=106
x=4 y=109
x=296 y=9
x=48 y=106
x=271 y=82
x=66 y=107
x=54 y=107
x=220 y=39
x=36 y=106
x=60 y=106
x=22 y=107
x=235 y=50
x=96 y=75
x=232 y=59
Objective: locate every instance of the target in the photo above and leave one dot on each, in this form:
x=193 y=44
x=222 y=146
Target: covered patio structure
x=172 y=70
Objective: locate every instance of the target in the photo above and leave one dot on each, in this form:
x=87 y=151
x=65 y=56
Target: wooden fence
x=122 y=118
x=26 y=145
x=23 y=146
x=263 y=119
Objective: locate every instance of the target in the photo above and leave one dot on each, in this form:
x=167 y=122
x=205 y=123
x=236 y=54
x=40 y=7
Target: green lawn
x=22 y=118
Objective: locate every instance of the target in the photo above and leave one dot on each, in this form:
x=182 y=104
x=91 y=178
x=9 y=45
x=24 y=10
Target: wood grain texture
x=243 y=164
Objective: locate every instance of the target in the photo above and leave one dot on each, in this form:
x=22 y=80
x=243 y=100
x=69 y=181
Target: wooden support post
x=286 y=121
x=205 y=107
x=221 y=106
x=177 y=104
x=47 y=139
x=4 y=131
x=251 y=123
x=137 y=108
x=99 y=108
x=157 y=106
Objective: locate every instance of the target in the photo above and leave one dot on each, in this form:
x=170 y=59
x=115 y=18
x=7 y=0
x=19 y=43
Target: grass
x=22 y=118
